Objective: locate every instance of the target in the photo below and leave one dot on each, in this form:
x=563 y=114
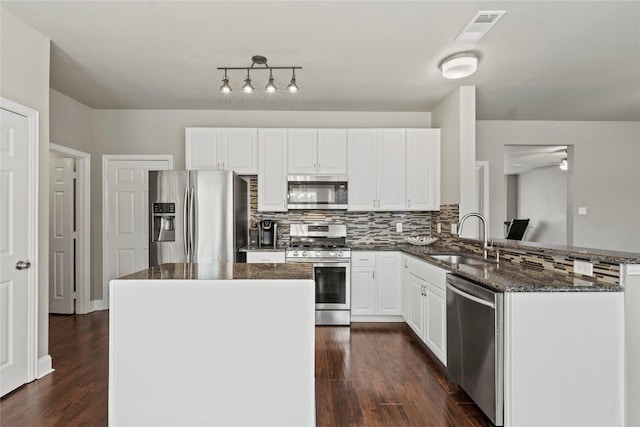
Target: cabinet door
x=388 y=280
x=239 y=150
x=202 y=148
x=332 y=151
x=436 y=321
x=363 y=291
x=391 y=193
x=416 y=304
x=272 y=164
x=423 y=169
x=302 y=151
x=361 y=159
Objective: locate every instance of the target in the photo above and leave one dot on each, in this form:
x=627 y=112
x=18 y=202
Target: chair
x=517 y=229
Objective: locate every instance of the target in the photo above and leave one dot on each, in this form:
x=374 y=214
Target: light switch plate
x=583 y=267
x=582 y=210
x=439 y=227
x=399 y=227
x=454 y=228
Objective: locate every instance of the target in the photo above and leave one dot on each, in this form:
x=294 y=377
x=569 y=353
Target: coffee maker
x=268 y=233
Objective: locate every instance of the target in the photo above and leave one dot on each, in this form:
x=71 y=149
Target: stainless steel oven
x=324 y=246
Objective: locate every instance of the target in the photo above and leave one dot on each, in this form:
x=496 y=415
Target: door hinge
x=74 y=175
x=73 y=295
x=74 y=235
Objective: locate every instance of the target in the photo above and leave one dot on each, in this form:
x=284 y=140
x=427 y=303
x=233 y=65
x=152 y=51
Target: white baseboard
x=97 y=305
x=358 y=319
x=44 y=366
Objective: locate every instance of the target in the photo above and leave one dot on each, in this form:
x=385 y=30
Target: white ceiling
x=544 y=60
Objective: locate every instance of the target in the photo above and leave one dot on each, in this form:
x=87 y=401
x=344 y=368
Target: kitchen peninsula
x=212 y=344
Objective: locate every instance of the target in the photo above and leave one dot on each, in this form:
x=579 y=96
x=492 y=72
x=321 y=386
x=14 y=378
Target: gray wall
x=606 y=176
x=24 y=78
x=542 y=197
x=455 y=116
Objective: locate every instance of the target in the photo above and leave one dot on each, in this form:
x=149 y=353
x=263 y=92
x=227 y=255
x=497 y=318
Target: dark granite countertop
x=606 y=255
x=503 y=276
x=225 y=271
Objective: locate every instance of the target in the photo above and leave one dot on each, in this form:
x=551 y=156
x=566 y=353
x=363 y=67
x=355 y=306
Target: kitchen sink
x=459 y=259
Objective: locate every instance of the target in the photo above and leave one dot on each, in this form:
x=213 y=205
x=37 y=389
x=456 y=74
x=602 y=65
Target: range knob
x=332 y=254
x=295 y=253
x=304 y=253
x=340 y=254
x=318 y=254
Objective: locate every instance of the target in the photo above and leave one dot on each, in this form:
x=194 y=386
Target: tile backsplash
x=362 y=227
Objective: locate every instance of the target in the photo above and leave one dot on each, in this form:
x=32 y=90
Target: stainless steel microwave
x=317 y=192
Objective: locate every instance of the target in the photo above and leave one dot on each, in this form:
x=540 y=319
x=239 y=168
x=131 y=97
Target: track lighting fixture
x=270 y=87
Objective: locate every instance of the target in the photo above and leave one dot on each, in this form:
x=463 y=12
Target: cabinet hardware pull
x=373 y=274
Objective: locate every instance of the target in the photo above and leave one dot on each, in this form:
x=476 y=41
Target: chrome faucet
x=485 y=247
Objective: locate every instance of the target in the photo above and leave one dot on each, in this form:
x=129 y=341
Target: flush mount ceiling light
x=261 y=61
x=460 y=65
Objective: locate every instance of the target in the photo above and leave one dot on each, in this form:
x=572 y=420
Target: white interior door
x=61 y=236
x=126 y=215
x=14 y=249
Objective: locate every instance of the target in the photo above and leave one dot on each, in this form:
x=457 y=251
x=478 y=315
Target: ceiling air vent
x=481 y=23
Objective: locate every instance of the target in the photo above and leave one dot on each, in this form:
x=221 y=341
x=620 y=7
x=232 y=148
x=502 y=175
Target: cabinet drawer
x=427 y=272
x=256 y=257
x=363 y=259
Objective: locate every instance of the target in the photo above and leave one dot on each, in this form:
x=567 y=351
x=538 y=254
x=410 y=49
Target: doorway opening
x=69 y=231
x=537 y=183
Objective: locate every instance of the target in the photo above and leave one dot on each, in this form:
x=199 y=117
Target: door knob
x=21 y=265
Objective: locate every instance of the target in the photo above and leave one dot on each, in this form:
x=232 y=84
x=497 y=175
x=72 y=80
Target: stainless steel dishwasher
x=475 y=350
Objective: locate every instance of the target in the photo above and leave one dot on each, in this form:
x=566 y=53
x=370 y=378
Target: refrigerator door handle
x=192 y=226
x=185 y=228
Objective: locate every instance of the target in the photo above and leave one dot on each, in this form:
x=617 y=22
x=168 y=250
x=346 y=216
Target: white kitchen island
x=215 y=345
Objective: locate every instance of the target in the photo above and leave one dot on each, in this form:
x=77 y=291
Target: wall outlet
x=399 y=227
x=582 y=210
x=454 y=228
x=583 y=267
x=439 y=228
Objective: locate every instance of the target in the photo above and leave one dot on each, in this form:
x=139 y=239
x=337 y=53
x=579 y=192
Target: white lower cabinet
x=375 y=284
x=426 y=304
x=261 y=257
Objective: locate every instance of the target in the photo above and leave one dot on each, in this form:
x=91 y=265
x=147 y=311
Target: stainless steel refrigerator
x=197 y=216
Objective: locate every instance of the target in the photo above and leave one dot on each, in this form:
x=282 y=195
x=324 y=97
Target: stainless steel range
x=324 y=246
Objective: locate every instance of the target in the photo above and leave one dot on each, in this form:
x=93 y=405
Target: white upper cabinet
x=272 y=170
x=222 y=149
x=239 y=150
x=202 y=148
x=423 y=169
x=317 y=151
x=302 y=147
x=391 y=164
x=362 y=169
x=376 y=169
x=332 y=151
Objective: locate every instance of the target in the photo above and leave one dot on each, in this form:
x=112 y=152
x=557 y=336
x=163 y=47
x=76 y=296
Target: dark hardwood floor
x=371 y=374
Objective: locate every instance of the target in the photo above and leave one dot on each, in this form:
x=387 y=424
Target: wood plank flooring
x=371 y=374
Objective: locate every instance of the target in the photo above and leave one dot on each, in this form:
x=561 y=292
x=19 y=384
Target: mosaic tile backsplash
x=362 y=227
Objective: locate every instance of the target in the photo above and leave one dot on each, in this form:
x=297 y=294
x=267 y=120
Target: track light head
x=247 y=87
x=271 y=87
x=293 y=87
